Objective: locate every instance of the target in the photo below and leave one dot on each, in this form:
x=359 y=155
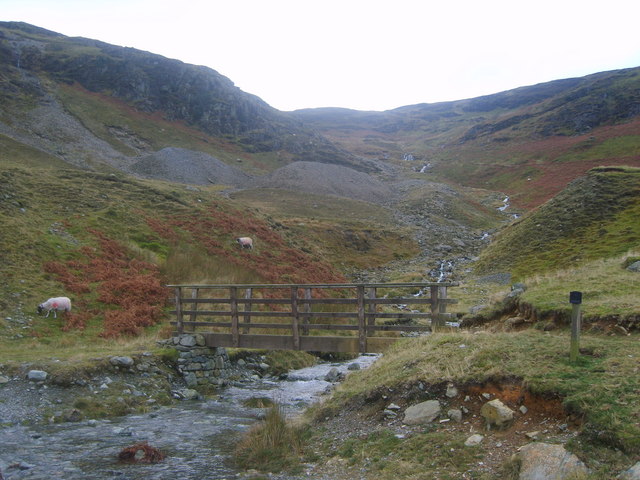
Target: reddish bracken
x=131 y=286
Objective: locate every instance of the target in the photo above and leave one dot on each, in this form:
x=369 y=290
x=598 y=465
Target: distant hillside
x=92 y=103
x=528 y=142
x=596 y=216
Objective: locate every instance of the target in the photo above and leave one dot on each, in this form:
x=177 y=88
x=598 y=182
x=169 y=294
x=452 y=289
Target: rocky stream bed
x=44 y=436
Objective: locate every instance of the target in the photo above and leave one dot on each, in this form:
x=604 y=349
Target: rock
x=189 y=394
x=37 y=375
x=393 y=406
x=523 y=410
x=264 y=367
x=634 y=472
x=422 y=413
x=543 y=461
x=452 y=391
x=634 y=267
x=332 y=376
x=121 y=361
x=455 y=415
x=241 y=362
x=532 y=435
x=496 y=413
x=473 y=440
x=188 y=341
x=353 y=366
x=3 y=379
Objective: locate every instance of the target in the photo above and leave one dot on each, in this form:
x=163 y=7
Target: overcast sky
x=361 y=54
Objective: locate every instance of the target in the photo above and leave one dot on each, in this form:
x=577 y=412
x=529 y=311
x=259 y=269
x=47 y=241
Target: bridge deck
x=316 y=317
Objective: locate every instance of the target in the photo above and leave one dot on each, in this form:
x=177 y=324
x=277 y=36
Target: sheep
x=62 y=304
x=245 y=242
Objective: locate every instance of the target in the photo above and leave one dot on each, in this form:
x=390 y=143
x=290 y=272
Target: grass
x=602 y=205
x=272 y=445
x=601 y=388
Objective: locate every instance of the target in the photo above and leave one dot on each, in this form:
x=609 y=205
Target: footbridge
x=350 y=317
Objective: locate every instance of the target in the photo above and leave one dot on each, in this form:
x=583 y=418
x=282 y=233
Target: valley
x=122 y=171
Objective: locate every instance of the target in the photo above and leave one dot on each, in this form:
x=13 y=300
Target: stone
x=393 y=406
x=121 y=361
x=37 y=375
x=523 y=410
x=188 y=341
x=496 y=414
x=200 y=340
x=189 y=394
x=544 y=461
x=532 y=435
x=452 y=391
x=333 y=375
x=634 y=267
x=354 y=366
x=473 y=440
x=422 y=413
x=455 y=415
x=3 y=379
x=633 y=473
x=241 y=363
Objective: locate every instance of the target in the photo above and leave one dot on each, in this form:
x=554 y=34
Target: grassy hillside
x=111 y=243
x=596 y=216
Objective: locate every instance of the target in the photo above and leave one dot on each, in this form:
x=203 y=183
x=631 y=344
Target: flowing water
x=196 y=436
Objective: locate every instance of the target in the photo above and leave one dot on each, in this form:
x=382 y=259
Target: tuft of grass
x=271 y=445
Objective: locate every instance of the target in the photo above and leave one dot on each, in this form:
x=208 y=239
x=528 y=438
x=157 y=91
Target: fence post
x=307 y=311
x=435 y=307
x=194 y=305
x=371 y=310
x=575 y=298
x=295 y=318
x=179 y=326
x=442 y=306
x=233 y=300
x=247 y=308
x=362 y=333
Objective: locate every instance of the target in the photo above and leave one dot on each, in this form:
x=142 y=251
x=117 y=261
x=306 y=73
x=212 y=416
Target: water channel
x=196 y=436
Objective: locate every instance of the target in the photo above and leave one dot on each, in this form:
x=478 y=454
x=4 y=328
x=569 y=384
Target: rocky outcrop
x=543 y=461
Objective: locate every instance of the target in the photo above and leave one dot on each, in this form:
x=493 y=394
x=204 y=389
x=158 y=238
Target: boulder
x=496 y=414
x=121 y=361
x=473 y=440
x=544 y=461
x=634 y=267
x=37 y=375
x=632 y=474
x=422 y=413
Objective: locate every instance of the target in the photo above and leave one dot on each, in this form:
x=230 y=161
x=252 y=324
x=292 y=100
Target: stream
x=195 y=436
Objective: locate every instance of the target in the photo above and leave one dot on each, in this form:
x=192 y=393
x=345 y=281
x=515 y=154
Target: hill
x=594 y=217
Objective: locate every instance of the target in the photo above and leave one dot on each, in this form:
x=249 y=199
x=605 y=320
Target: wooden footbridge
x=325 y=317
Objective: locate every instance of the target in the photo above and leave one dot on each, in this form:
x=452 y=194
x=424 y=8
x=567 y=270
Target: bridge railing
x=226 y=315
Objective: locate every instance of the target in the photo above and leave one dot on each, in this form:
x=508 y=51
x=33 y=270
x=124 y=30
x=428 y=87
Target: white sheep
x=62 y=304
x=245 y=242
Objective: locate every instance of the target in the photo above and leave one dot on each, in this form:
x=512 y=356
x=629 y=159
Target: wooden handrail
x=192 y=313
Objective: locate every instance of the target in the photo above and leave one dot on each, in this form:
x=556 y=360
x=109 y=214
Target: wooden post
x=194 y=306
x=307 y=311
x=362 y=333
x=371 y=310
x=233 y=300
x=575 y=298
x=247 y=308
x=435 y=307
x=179 y=326
x=295 y=318
x=442 y=306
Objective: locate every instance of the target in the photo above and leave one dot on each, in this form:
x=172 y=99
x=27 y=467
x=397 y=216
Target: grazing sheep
x=62 y=304
x=245 y=242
